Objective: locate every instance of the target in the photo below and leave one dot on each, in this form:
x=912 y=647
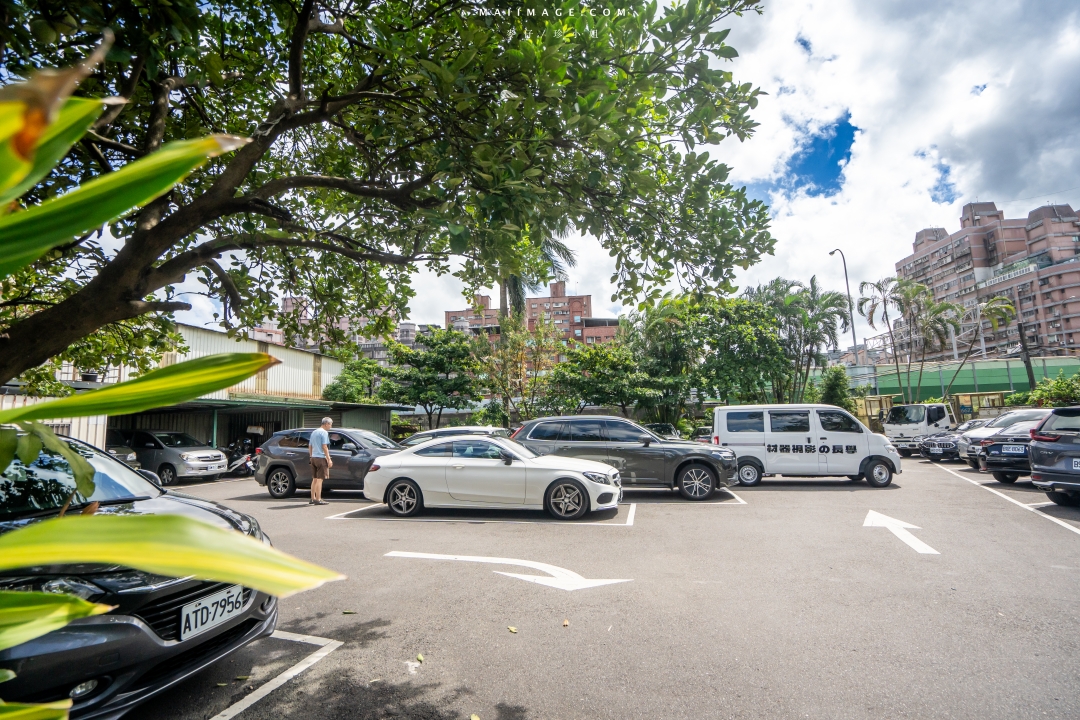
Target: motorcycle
x=239 y=460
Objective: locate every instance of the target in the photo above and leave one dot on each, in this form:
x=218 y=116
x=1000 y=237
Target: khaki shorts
x=319 y=469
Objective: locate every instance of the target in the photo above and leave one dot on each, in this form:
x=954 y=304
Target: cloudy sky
x=881 y=118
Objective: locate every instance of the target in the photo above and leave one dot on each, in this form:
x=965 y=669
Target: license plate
x=935 y=450
x=1076 y=463
x=1014 y=449
x=201 y=615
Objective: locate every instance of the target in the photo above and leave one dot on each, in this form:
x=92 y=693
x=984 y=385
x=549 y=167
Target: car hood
x=170 y=503
x=559 y=462
x=982 y=433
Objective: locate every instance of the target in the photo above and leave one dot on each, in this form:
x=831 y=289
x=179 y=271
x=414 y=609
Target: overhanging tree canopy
x=385 y=134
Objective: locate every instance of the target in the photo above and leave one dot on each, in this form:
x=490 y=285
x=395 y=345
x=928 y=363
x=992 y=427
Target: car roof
x=562 y=418
x=789 y=406
x=461 y=428
x=449 y=438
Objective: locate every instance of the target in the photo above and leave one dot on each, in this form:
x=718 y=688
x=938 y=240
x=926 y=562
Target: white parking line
x=344 y=516
x=211 y=482
x=326 y=646
x=1031 y=508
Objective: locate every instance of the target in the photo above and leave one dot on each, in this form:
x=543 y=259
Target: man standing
x=320 y=460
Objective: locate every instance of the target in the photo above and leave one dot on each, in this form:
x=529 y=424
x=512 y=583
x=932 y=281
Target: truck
x=905 y=425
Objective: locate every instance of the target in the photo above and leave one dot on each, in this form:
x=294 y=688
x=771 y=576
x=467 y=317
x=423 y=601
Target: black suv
x=643 y=459
x=1055 y=456
x=283 y=463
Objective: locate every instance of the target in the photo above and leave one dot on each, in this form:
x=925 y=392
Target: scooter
x=240 y=462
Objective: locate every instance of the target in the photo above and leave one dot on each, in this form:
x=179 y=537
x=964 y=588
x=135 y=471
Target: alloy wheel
x=566 y=500
x=402 y=498
x=279 y=482
x=167 y=475
x=696 y=482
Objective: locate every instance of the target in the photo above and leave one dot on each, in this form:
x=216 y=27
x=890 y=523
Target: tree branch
x=127 y=89
x=296 y=49
x=112 y=144
x=142 y=307
x=400 y=196
x=226 y=282
x=96 y=153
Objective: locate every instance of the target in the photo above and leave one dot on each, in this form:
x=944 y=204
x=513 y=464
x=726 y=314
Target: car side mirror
x=351 y=447
x=149 y=445
x=151 y=476
x=507 y=458
x=645 y=440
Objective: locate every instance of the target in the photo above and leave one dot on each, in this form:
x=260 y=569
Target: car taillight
x=373 y=468
x=1044 y=437
x=986 y=443
x=258 y=451
x=515 y=433
x=715 y=439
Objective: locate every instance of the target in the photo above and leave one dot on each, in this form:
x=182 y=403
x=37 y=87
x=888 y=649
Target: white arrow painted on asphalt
x=560 y=577
x=899 y=528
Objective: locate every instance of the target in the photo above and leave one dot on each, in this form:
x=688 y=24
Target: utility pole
x=1025 y=356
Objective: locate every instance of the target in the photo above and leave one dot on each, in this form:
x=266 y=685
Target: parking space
x=803 y=598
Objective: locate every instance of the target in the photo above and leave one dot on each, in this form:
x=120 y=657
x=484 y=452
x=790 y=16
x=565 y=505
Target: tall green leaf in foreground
x=26 y=615
x=164 y=386
x=26 y=236
x=48 y=711
x=170 y=545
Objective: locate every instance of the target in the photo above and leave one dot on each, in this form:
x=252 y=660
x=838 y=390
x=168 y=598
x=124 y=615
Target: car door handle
x=459 y=467
x=564 y=447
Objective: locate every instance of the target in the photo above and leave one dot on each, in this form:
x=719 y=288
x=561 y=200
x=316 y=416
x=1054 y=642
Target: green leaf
x=164 y=386
x=9 y=439
x=57 y=710
x=80 y=468
x=74 y=119
x=6 y=675
x=27 y=615
x=28 y=448
x=727 y=52
x=26 y=236
x=170 y=545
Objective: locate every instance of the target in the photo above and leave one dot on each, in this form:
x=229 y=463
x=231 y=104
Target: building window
x=590 y=340
x=577 y=318
x=577 y=332
x=534 y=304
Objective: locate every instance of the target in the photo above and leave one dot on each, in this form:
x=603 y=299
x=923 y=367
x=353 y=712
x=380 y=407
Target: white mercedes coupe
x=468 y=471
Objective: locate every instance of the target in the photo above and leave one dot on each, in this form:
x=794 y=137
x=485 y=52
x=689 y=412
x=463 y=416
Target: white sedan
x=490 y=472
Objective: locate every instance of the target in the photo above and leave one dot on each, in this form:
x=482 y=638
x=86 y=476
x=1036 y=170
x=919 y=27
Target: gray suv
x=175 y=455
x=643 y=459
x=282 y=463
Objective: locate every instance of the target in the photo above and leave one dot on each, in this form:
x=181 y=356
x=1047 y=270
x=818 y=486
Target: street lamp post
x=851 y=306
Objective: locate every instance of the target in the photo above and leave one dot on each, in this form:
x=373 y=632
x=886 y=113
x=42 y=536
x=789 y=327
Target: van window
x=836 y=421
x=793 y=422
x=746 y=421
x=546 y=431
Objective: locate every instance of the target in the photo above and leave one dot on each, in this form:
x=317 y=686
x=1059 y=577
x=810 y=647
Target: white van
x=803 y=441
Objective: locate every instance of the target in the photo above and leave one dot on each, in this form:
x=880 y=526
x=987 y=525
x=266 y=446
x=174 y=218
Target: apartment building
x=1032 y=261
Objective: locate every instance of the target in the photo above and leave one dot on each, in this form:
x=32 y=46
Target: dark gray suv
x=643 y=459
x=283 y=465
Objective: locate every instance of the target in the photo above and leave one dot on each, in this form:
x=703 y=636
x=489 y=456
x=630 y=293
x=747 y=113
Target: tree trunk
x=971 y=347
x=504 y=296
x=896 y=356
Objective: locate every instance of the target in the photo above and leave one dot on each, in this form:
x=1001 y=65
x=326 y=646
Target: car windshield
x=178 y=440
x=47 y=483
x=376 y=439
x=970 y=425
x=113 y=438
x=518 y=448
x=1015 y=417
x=906 y=415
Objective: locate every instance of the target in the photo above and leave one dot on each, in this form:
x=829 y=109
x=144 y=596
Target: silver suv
x=175 y=455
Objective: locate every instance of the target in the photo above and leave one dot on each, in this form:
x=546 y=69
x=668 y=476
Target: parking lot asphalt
x=778 y=601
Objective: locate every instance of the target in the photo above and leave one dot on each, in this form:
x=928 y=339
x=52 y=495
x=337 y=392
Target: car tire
x=404 y=498
x=749 y=474
x=854 y=478
x=1060 y=498
x=696 y=482
x=566 y=499
x=905 y=453
x=1006 y=477
x=167 y=473
x=973 y=464
x=878 y=474
x=280 y=483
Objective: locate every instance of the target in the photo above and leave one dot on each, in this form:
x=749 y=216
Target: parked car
x=643 y=459
x=702 y=435
x=968 y=444
x=943 y=445
x=422 y=437
x=110 y=663
x=117 y=446
x=804 y=441
x=1055 y=456
x=175 y=456
x=283 y=463
x=490 y=472
x=664 y=430
x=1005 y=453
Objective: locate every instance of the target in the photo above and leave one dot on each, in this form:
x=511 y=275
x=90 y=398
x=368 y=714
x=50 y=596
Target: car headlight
x=185 y=456
x=130 y=457
x=598 y=477
x=725 y=454
x=58 y=586
x=919 y=438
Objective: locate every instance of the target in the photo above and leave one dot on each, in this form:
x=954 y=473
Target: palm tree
x=999 y=311
x=883 y=294
x=556 y=257
x=777 y=295
x=931 y=327
x=912 y=300
x=822 y=314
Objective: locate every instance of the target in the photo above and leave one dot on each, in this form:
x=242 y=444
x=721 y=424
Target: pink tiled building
x=1032 y=261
